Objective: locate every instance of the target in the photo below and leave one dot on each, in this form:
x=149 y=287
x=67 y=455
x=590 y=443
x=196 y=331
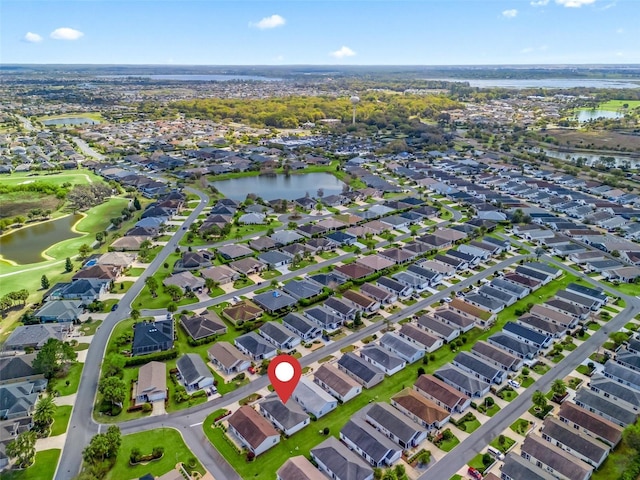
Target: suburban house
x=616 y=412
x=326 y=319
x=365 y=304
x=464 y=322
x=442 y=330
x=555 y=460
x=527 y=335
x=255 y=346
x=252 y=430
x=299 y=468
x=580 y=445
x=186 y=281
x=382 y=358
x=394 y=286
x=590 y=423
x=60 y=311
x=248 y=266
x=479 y=368
x=241 y=312
x=383 y=296
x=313 y=399
x=360 y=370
x=401 y=347
x=336 y=382
x=420 y=409
x=281 y=337
x=302 y=289
x=275 y=258
x=150 y=337
x=376 y=449
x=340 y=308
x=221 y=274
x=338 y=462
x=622 y=374
x=513 y=346
x=19 y=399
x=393 y=424
x=462 y=381
x=419 y=337
x=274 y=301
x=204 y=325
x=496 y=356
x=289 y=417
x=442 y=394
x=301 y=326
x=517 y=468
x=194 y=372
x=152 y=382
x=192 y=261
x=228 y=358
x=35 y=336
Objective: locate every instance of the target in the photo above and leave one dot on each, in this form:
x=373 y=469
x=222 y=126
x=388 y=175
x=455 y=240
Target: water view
x=27 y=244
x=591 y=159
x=546 y=83
x=70 y=121
x=280 y=186
x=584 y=115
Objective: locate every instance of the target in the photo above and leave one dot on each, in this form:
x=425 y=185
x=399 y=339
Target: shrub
x=159 y=356
x=486 y=459
x=146 y=408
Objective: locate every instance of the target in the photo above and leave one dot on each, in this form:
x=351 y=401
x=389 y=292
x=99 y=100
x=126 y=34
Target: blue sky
x=381 y=32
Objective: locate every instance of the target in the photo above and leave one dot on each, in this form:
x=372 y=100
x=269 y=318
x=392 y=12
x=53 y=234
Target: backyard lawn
x=43 y=468
x=175 y=451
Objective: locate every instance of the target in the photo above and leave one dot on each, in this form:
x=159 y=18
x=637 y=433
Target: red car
x=251 y=370
x=474 y=473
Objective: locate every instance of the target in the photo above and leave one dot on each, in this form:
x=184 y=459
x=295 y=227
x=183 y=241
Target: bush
x=147 y=407
x=158 y=357
x=486 y=459
x=239 y=377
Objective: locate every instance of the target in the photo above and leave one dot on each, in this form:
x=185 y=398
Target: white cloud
x=66 y=33
x=510 y=13
x=539 y=3
x=343 y=52
x=574 y=3
x=273 y=21
x=32 y=37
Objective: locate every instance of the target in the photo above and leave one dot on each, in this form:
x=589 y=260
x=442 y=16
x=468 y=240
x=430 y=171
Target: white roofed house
x=313 y=399
x=402 y=347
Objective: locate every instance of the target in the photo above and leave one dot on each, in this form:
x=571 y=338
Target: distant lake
x=27 y=244
x=280 y=186
x=197 y=78
x=591 y=158
x=70 y=121
x=546 y=83
x=584 y=115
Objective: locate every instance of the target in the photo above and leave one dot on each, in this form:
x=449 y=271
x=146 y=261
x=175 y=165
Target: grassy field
x=61 y=420
x=43 y=468
x=75 y=177
x=616 y=463
x=92 y=115
x=73 y=376
x=615 y=105
x=175 y=451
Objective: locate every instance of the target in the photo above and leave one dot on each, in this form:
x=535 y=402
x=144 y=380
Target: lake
x=546 y=83
x=70 y=121
x=280 y=186
x=27 y=244
x=198 y=78
x=590 y=158
x=584 y=115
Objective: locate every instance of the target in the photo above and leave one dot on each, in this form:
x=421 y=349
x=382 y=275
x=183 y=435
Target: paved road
x=479 y=439
x=87 y=150
x=81 y=426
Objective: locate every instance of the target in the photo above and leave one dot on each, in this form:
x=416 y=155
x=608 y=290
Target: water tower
x=355 y=100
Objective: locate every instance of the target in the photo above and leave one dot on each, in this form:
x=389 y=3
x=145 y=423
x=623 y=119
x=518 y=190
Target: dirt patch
x=19 y=203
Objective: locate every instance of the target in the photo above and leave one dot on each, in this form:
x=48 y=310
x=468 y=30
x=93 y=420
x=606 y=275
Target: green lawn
x=135 y=272
x=121 y=287
x=269 y=274
x=615 y=105
x=76 y=177
x=73 y=376
x=541 y=368
x=584 y=369
x=90 y=327
x=520 y=426
x=507 y=394
x=175 y=451
x=476 y=462
x=242 y=282
x=469 y=426
x=626 y=288
x=508 y=442
x=61 y=420
x=328 y=255
x=448 y=445
x=43 y=468
x=129 y=374
x=302 y=264
x=616 y=463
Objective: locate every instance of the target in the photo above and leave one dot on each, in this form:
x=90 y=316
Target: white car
x=447 y=299
x=514 y=384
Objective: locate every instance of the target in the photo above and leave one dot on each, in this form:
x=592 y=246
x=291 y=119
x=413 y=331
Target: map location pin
x=284 y=372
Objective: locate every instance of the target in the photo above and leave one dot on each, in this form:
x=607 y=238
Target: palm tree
x=43 y=415
x=559 y=388
x=539 y=400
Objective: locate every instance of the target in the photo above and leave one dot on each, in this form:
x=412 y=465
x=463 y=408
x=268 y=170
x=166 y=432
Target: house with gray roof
x=455 y=319
x=514 y=346
x=462 y=381
x=517 y=468
x=150 y=337
x=545 y=268
x=302 y=289
x=520 y=291
x=611 y=410
x=233 y=251
x=620 y=373
x=615 y=391
x=331 y=279
x=152 y=382
x=586 y=448
x=60 y=311
x=542 y=325
x=360 y=370
x=490 y=304
x=434 y=278
x=194 y=372
x=228 y=358
x=186 y=281
x=16 y=368
x=281 y=337
x=575 y=299
x=575 y=311
x=85 y=290
x=541 y=277
x=35 y=336
x=554 y=459
x=382 y=358
x=204 y=325
x=284 y=237
x=394 y=286
x=381 y=295
x=255 y=346
x=313 y=399
x=479 y=368
x=401 y=347
x=628 y=359
x=590 y=423
x=18 y=400
x=425 y=341
x=274 y=301
x=275 y=258
x=376 y=449
x=411 y=281
x=289 y=417
x=527 y=335
x=339 y=463
x=441 y=329
x=496 y=356
x=325 y=318
x=394 y=425
x=340 y=308
x=336 y=382
x=301 y=326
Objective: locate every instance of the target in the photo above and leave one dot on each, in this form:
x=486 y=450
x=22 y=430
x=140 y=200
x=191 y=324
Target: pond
x=27 y=244
x=591 y=158
x=584 y=115
x=273 y=187
x=70 y=121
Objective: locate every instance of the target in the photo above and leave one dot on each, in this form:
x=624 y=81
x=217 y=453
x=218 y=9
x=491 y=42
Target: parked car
x=447 y=299
x=514 y=384
x=115 y=307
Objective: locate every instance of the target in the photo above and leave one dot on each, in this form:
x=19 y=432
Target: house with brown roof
x=379 y=294
x=354 y=270
x=248 y=266
x=127 y=243
x=442 y=394
x=336 y=382
x=253 y=430
x=450 y=234
x=364 y=303
x=375 y=262
x=228 y=358
x=397 y=255
x=152 y=382
x=221 y=274
x=377 y=227
x=420 y=409
x=244 y=311
x=484 y=318
x=554 y=459
x=419 y=337
x=98 y=272
x=204 y=325
x=590 y=423
x=299 y=468
x=565 y=321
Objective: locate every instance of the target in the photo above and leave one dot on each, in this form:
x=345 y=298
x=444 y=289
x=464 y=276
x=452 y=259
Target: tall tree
x=68 y=266
x=114 y=365
x=44 y=282
x=23 y=449
x=52 y=356
x=152 y=285
x=113 y=389
x=136 y=203
x=631 y=436
x=84 y=250
x=135 y=314
x=174 y=291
